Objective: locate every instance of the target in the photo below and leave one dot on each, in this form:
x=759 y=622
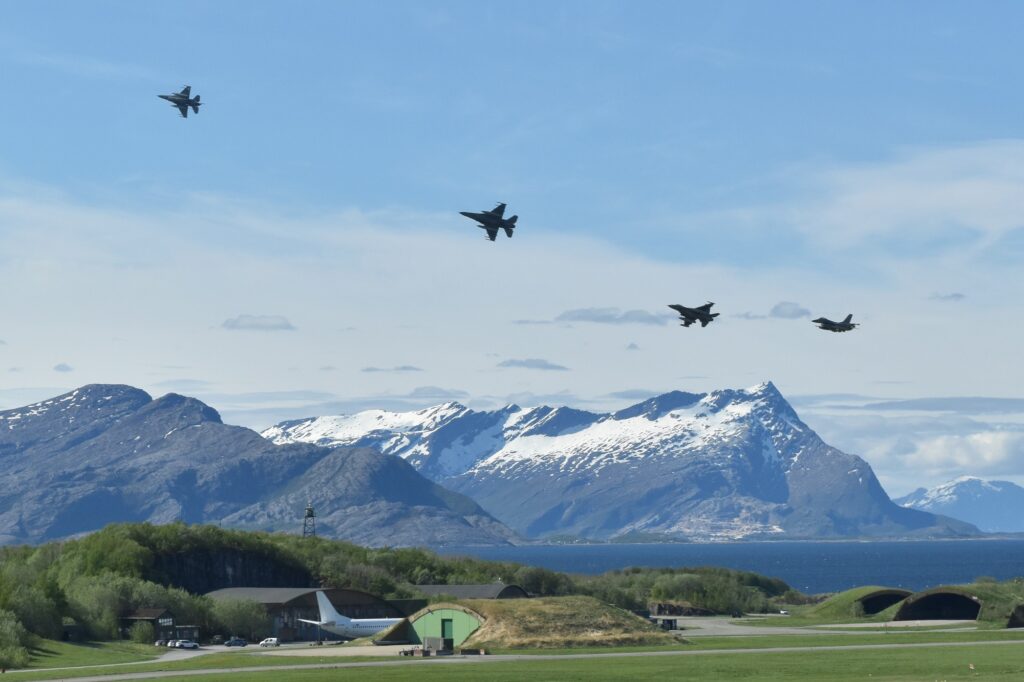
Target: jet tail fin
x=328 y=613
x=195 y=106
x=848 y=318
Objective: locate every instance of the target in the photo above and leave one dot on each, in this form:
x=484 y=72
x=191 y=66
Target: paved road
x=485 y=660
x=703 y=626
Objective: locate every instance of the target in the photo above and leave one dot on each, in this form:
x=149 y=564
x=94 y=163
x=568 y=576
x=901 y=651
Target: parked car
x=186 y=644
x=217 y=639
x=270 y=641
x=171 y=643
x=160 y=642
x=236 y=641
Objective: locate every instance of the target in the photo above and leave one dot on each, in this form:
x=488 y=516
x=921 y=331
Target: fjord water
x=811 y=567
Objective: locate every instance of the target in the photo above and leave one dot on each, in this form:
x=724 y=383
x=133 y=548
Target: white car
x=171 y=643
x=186 y=644
x=270 y=641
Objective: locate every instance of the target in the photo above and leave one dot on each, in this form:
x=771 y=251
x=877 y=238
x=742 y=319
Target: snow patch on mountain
x=726 y=464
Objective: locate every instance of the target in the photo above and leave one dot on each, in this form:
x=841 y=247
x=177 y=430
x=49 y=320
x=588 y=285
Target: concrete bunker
x=880 y=600
x=441 y=626
x=942 y=603
x=1016 y=617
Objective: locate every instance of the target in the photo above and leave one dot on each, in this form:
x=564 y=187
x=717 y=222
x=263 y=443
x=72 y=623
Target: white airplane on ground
x=335 y=623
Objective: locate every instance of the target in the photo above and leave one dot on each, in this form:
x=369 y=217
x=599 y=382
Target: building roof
x=492 y=591
x=264 y=595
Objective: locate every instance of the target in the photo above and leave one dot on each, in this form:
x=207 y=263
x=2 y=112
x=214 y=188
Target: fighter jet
x=492 y=220
x=829 y=325
x=183 y=100
x=700 y=314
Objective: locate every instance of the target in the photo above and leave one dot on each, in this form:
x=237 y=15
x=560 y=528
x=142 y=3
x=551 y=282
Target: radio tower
x=309 y=522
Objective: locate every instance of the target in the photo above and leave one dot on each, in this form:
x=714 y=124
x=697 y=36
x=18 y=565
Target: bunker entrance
x=877 y=602
x=940 y=606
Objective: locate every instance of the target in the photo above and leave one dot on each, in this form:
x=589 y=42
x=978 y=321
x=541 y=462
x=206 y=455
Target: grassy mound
x=998 y=599
x=559 y=623
x=845 y=606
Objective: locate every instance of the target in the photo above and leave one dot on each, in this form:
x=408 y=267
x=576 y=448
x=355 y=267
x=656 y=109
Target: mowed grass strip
x=48 y=653
x=226 y=660
x=990 y=662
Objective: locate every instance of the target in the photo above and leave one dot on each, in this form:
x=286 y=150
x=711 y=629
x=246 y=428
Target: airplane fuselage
x=178 y=100
x=830 y=326
x=359 y=627
x=487 y=219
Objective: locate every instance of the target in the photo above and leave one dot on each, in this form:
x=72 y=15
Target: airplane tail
x=508 y=229
x=848 y=318
x=328 y=614
x=195 y=107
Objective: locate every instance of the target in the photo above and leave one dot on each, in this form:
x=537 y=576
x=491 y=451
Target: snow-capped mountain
x=993 y=506
x=722 y=465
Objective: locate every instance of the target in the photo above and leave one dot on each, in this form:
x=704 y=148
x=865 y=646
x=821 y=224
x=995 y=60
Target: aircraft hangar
x=286 y=605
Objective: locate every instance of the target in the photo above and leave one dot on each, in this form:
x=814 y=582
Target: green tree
x=242 y=617
x=142 y=632
x=13 y=638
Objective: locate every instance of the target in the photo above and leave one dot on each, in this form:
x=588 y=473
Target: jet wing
x=706 y=307
x=687 y=321
x=498 y=210
x=183 y=108
x=186 y=91
x=492 y=233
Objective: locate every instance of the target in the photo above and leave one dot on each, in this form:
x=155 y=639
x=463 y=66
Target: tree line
x=93 y=581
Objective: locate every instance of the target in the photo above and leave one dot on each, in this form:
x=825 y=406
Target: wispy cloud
x=85 y=66
x=399 y=368
x=783 y=310
x=63 y=367
x=951 y=297
x=533 y=363
x=965 y=405
x=259 y=323
x=632 y=346
x=613 y=316
x=638 y=394
x=787 y=310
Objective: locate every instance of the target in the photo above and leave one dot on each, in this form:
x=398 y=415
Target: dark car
x=236 y=641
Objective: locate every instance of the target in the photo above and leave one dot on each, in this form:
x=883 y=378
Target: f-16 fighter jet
x=700 y=314
x=183 y=100
x=492 y=221
x=829 y=325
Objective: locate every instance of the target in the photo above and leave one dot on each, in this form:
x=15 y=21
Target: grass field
x=47 y=653
x=708 y=644
x=991 y=662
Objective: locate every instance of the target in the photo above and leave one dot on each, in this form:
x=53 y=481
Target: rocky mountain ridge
x=725 y=465
x=106 y=453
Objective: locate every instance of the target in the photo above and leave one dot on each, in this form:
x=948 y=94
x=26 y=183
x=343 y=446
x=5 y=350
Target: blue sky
x=303 y=228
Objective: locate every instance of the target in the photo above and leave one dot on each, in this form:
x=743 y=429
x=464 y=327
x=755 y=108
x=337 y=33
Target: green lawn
x=1001 y=663
x=48 y=653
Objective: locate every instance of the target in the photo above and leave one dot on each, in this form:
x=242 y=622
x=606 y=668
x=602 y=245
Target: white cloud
x=613 y=316
x=533 y=363
x=788 y=310
x=259 y=323
x=63 y=367
x=985 y=453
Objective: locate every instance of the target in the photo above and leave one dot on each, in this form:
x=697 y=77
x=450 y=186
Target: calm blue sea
x=811 y=567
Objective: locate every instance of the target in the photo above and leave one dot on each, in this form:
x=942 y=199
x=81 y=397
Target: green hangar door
x=451 y=624
x=447 y=633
